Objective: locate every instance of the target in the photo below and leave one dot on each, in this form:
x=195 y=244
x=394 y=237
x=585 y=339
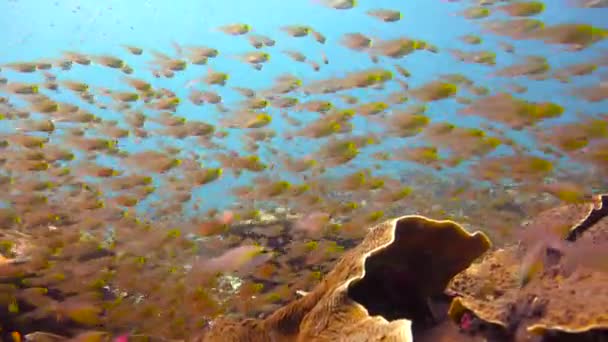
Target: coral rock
x=379 y=290
x=559 y=299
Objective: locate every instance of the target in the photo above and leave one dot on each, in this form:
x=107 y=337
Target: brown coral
x=559 y=298
x=379 y=290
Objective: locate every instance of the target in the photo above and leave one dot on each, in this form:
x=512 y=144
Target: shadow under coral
x=390 y=292
x=407 y=278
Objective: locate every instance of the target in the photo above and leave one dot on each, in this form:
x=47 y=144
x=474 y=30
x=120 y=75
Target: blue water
x=33 y=29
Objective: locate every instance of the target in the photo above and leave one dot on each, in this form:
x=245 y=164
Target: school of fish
x=111 y=212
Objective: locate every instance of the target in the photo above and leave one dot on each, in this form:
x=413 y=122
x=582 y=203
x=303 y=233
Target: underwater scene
x=303 y=170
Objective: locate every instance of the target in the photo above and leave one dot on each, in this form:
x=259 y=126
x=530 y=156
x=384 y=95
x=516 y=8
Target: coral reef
x=410 y=278
x=382 y=289
x=542 y=287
